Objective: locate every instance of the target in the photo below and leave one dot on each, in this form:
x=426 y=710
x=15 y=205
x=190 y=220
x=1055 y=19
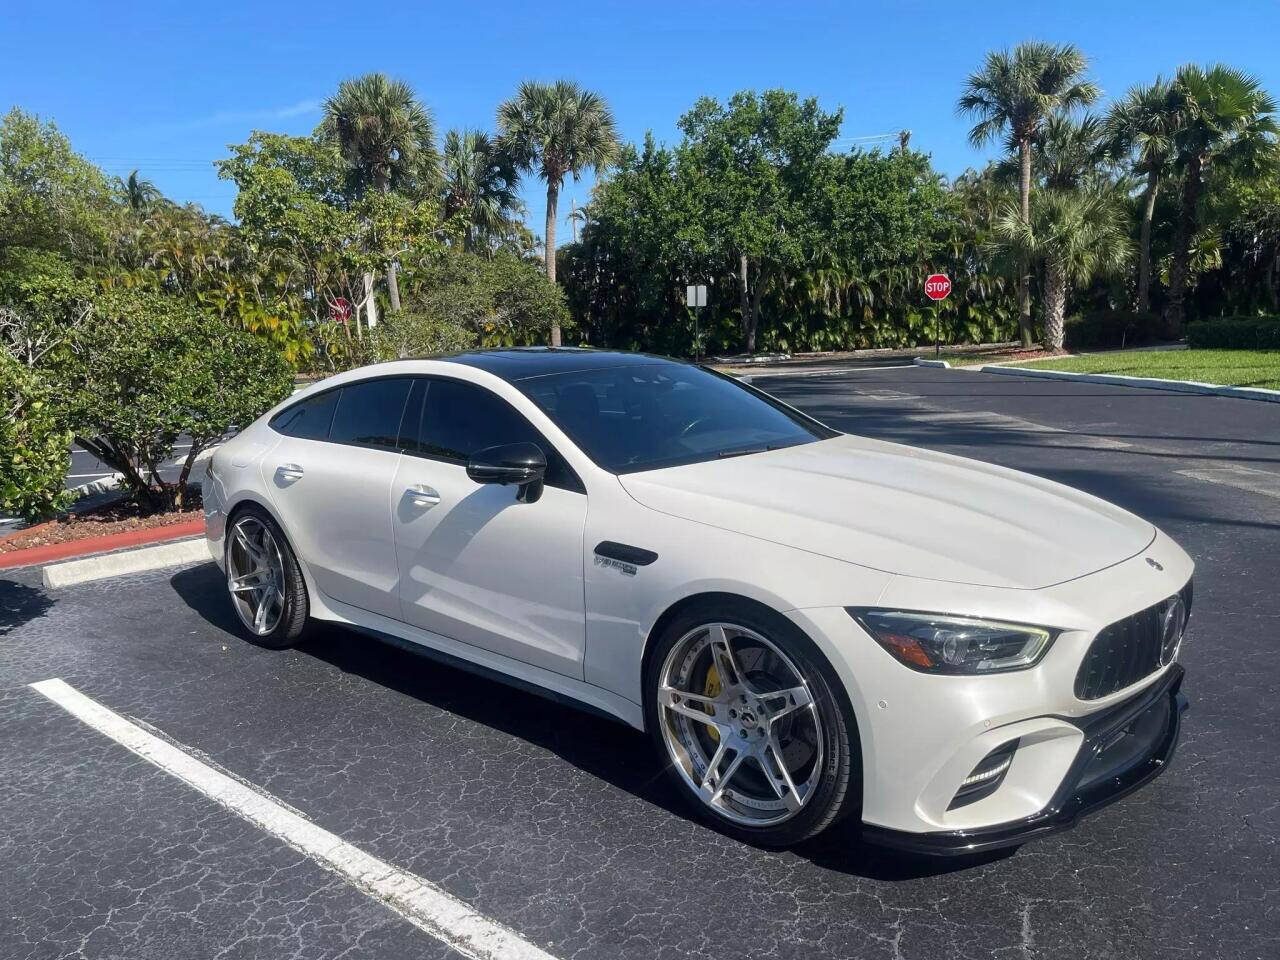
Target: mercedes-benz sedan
x=810 y=625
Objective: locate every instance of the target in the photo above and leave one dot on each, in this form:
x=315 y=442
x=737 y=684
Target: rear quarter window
x=307 y=419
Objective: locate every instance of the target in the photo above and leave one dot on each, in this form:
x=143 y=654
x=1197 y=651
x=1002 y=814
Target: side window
x=460 y=418
x=369 y=413
x=309 y=419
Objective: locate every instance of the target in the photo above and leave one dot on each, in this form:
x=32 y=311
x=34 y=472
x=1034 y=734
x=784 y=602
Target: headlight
x=935 y=643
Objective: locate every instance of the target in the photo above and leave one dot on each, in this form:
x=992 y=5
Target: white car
x=810 y=625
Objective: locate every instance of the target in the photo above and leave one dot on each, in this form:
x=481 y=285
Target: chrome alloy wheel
x=740 y=724
x=255 y=575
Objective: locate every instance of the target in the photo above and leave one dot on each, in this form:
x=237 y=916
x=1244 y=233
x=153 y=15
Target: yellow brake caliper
x=712 y=689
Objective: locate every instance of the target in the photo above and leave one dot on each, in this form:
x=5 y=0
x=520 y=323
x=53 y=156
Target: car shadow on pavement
x=605 y=749
x=20 y=603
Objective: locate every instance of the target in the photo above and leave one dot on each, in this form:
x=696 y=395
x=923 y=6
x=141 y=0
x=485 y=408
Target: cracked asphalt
x=557 y=823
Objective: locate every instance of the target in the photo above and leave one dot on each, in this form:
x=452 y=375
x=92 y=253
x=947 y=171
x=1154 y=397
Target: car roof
x=524 y=363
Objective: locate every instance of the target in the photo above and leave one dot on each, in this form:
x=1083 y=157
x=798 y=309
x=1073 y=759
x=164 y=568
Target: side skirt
x=494 y=666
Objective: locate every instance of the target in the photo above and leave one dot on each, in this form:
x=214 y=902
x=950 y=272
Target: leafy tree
x=35 y=444
x=1141 y=126
x=556 y=129
x=480 y=187
x=150 y=368
x=1011 y=97
x=1078 y=234
x=385 y=133
x=1225 y=119
x=51 y=198
x=755 y=161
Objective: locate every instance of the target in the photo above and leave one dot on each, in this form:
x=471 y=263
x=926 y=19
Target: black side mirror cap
x=523 y=464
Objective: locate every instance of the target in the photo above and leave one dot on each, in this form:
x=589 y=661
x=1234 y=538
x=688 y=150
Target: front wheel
x=264 y=580
x=742 y=709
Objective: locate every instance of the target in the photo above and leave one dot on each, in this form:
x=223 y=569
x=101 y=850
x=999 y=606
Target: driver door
x=476 y=565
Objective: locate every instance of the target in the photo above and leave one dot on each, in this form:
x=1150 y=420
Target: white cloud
x=231 y=118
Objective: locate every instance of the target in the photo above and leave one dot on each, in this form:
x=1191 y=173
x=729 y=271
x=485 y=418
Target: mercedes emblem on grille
x=1155 y=564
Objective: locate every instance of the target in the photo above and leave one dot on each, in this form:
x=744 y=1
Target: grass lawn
x=999 y=355
x=1236 y=368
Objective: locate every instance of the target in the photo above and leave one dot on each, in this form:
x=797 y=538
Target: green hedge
x=1235 y=333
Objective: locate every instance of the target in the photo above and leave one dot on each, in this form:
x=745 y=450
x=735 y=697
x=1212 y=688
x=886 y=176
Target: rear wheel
x=264 y=580
x=743 y=711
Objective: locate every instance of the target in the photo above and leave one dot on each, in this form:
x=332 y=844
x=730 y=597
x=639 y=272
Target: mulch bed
x=1019 y=353
x=120 y=516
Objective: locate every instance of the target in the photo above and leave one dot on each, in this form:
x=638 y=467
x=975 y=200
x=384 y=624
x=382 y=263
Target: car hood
x=902 y=510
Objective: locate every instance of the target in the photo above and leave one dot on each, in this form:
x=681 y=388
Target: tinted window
x=460 y=418
x=644 y=417
x=369 y=413
x=309 y=419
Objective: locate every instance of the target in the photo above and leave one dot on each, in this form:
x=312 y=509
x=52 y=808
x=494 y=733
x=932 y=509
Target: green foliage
x=503 y=301
x=149 y=368
x=1236 y=333
x=35 y=444
x=399 y=336
x=51 y=198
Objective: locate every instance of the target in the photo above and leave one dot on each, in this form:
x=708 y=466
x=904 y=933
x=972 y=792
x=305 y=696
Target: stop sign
x=937 y=286
x=340 y=310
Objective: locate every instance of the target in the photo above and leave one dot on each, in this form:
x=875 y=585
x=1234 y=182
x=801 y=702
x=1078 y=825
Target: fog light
x=986 y=776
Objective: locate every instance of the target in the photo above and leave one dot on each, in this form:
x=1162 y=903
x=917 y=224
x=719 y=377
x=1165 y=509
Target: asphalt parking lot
x=557 y=824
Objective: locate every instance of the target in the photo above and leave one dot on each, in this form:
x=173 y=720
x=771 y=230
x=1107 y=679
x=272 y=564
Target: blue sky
x=165 y=87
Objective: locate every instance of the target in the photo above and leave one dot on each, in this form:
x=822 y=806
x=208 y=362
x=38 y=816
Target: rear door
x=331 y=478
x=476 y=565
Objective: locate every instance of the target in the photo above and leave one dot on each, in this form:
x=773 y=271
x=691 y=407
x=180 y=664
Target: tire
x=261 y=568
x=742 y=790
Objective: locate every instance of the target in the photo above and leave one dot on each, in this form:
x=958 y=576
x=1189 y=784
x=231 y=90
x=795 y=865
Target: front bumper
x=1125 y=746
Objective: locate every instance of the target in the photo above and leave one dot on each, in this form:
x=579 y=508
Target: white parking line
x=1242 y=478
x=423 y=904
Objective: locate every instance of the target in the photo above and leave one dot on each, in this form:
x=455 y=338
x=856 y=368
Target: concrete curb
x=128 y=561
x=1148 y=383
x=922 y=362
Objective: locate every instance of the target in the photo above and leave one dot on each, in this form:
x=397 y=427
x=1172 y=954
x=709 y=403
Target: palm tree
x=1011 y=96
x=1078 y=234
x=480 y=186
x=384 y=131
x=556 y=129
x=141 y=196
x=1142 y=125
x=1224 y=118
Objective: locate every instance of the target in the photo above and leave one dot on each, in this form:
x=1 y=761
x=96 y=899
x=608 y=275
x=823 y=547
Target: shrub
x=35 y=445
x=149 y=369
x=401 y=335
x=1112 y=328
x=1235 y=333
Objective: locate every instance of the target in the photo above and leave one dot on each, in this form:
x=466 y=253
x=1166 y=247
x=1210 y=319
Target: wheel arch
x=710 y=597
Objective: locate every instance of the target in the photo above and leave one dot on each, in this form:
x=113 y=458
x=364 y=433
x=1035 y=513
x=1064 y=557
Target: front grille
x=1125 y=652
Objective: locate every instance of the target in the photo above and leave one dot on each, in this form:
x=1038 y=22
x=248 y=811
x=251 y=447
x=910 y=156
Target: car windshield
x=642 y=417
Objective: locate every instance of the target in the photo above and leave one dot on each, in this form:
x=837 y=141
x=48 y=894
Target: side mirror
x=523 y=464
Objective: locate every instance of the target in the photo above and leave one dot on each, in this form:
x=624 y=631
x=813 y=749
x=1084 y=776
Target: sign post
x=937 y=287
x=695 y=297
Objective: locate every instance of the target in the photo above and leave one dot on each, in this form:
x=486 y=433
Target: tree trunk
x=370 y=306
x=393 y=282
x=744 y=292
x=549 y=246
x=1175 y=313
x=1055 y=304
x=1144 y=243
x=1024 y=265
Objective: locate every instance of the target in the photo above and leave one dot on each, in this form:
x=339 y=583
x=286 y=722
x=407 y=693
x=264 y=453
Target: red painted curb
x=112 y=541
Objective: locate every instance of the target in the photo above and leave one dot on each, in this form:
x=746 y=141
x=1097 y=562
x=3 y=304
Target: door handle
x=423 y=496
x=289 y=471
